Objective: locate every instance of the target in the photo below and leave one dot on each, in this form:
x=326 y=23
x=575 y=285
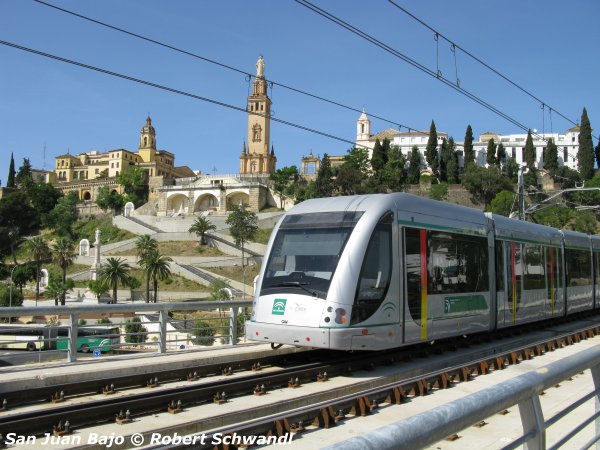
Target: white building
x=514 y=144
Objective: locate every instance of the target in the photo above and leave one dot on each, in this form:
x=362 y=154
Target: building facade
x=514 y=144
x=258 y=158
x=86 y=172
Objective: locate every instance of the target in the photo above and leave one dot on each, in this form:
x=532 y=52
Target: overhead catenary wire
x=226 y=66
x=175 y=91
x=414 y=63
x=483 y=63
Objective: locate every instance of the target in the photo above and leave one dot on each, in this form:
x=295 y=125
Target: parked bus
x=48 y=337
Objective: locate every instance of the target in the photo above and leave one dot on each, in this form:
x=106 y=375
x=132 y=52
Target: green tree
x=529 y=150
x=64 y=215
x=200 y=227
x=135 y=332
x=243 y=225
x=431 y=152
x=113 y=272
x=500 y=155
x=438 y=191
x=357 y=158
x=511 y=169
x=553 y=216
x=63 y=254
x=135 y=185
x=551 y=157
x=324 y=185
x=23 y=274
x=585 y=154
x=485 y=183
x=5 y=296
x=157 y=267
x=203 y=333
x=10 y=181
x=491 y=153
x=57 y=289
x=103 y=321
x=393 y=176
x=98 y=288
x=109 y=199
x=24 y=177
x=503 y=203
x=444 y=157
x=597 y=151
x=349 y=180
x=452 y=167
x=469 y=154
x=414 y=166
x=584 y=222
x=145 y=244
x=283 y=181
x=39 y=251
x=378 y=157
x=43 y=198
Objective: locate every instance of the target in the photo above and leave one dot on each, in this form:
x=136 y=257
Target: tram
x=371 y=272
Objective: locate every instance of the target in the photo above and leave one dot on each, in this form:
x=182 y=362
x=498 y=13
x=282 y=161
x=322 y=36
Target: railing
x=425 y=429
x=222 y=323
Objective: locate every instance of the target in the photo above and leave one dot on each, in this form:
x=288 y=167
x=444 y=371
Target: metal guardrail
x=228 y=312
x=425 y=429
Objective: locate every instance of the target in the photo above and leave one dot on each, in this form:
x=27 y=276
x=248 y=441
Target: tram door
x=417 y=324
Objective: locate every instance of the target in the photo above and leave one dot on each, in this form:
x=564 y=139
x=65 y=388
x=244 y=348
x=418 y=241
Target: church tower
x=147 y=148
x=257 y=159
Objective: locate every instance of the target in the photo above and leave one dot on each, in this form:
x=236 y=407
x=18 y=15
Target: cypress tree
x=598 y=155
x=379 y=156
x=500 y=155
x=551 y=157
x=414 y=168
x=10 y=182
x=491 y=153
x=529 y=151
x=469 y=156
x=585 y=155
x=323 y=184
x=452 y=162
x=431 y=152
x=444 y=157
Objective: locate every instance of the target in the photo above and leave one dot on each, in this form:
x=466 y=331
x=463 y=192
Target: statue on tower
x=260 y=67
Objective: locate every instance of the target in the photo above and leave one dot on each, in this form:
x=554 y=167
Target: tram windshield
x=306 y=252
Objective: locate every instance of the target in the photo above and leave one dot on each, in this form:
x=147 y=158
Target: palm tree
x=157 y=267
x=143 y=245
x=64 y=254
x=113 y=272
x=202 y=226
x=39 y=250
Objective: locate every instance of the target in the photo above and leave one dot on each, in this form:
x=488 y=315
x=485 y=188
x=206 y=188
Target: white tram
x=378 y=271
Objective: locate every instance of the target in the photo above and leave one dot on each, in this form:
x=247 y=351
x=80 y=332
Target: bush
x=203 y=333
x=438 y=191
x=132 y=327
x=5 y=297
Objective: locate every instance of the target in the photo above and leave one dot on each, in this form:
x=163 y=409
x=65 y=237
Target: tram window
x=456 y=263
x=535 y=274
x=579 y=267
x=499 y=266
x=376 y=271
x=412 y=264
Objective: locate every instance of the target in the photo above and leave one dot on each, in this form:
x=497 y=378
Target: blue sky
x=549 y=47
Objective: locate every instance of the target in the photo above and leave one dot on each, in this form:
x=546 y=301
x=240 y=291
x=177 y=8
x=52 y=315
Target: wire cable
x=175 y=91
x=223 y=65
x=413 y=63
x=483 y=63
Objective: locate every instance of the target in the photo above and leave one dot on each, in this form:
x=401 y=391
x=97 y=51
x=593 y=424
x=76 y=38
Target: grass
x=262 y=235
x=236 y=273
x=177 y=248
x=174 y=283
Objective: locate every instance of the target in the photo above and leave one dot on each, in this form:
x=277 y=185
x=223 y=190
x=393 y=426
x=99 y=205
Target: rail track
x=408 y=372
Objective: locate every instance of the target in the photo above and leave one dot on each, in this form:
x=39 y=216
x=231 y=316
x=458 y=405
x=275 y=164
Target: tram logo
x=279 y=306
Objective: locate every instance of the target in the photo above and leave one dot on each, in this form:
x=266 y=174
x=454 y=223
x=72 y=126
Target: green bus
x=56 y=337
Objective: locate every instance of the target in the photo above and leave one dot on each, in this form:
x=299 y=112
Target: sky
x=48 y=108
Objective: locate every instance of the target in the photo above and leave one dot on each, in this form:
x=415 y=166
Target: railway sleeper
x=325 y=418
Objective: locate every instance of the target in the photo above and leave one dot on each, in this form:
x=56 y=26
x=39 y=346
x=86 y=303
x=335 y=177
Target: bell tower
x=258 y=158
x=147 y=147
